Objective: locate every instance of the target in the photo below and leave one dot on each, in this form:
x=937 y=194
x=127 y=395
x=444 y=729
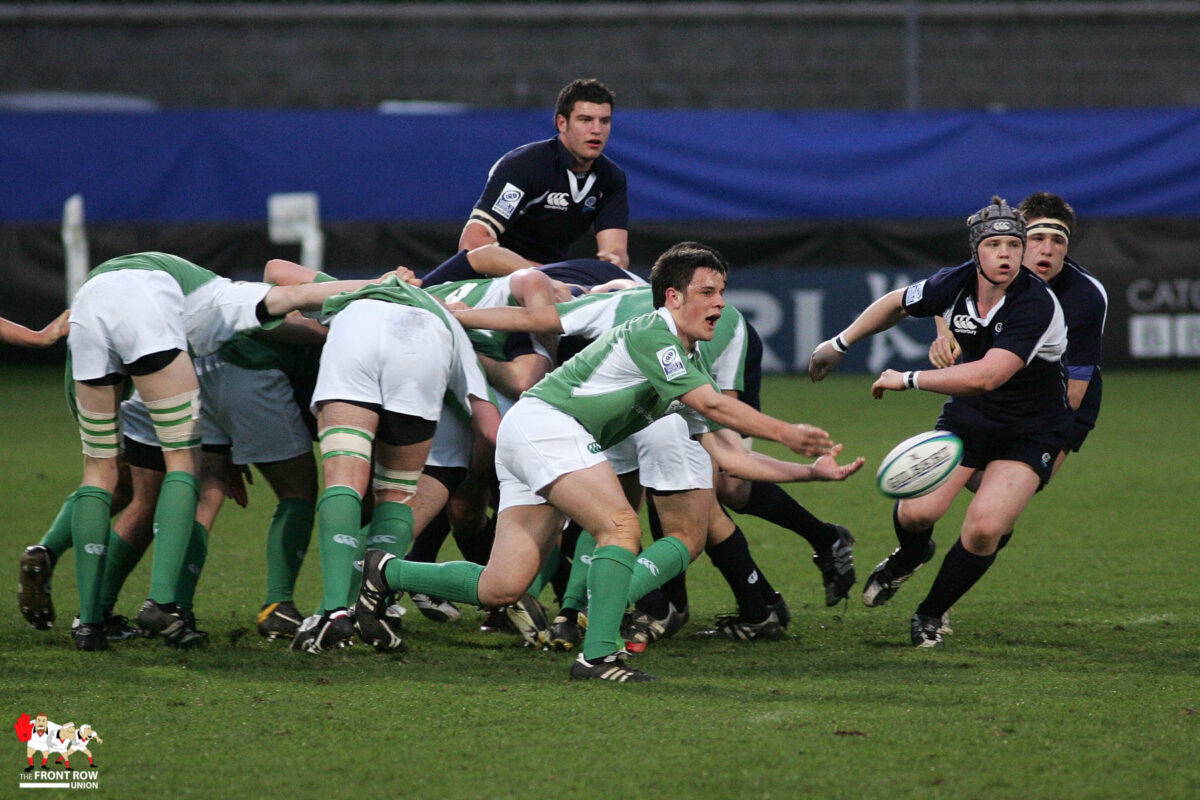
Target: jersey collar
x=565 y=159
x=666 y=315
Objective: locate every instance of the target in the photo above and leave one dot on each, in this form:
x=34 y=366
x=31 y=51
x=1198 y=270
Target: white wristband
x=839 y=344
x=911 y=381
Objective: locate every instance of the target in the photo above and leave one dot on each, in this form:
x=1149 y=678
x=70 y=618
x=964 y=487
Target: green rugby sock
x=58 y=538
x=456 y=581
x=173 y=518
x=193 y=565
x=391 y=528
x=338 y=514
x=657 y=564
x=118 y=563
x=89 y=526
x=287 y=541
x=575 y=595
x=608 y=588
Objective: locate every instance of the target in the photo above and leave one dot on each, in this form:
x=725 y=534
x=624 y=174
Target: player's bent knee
x=176 y=420
x=626 y=530
x=915 y=516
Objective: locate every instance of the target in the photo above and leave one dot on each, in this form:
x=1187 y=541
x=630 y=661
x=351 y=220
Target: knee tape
x=344 y=440
x=399 y=480
x=176 y=420
x=100 y=433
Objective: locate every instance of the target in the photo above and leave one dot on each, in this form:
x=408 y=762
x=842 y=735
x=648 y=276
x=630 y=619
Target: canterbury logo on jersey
x=964 y=324
x=557 y=201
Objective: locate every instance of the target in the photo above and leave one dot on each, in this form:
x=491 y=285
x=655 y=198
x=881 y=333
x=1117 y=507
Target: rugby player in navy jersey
x=1008 y=403
x=1050 y=222
x=541 y=197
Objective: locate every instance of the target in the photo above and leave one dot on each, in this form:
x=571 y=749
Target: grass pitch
x=1073 y=672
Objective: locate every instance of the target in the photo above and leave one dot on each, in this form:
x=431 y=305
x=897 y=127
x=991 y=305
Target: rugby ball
x=919 y=465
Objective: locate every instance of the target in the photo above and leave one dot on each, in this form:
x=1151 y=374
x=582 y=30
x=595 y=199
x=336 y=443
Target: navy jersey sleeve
x=1085 y=306
x=613 y=210
x=454 y=269
x=514 y=181
x=935 y=294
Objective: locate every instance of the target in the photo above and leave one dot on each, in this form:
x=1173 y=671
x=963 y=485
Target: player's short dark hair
x=1045 y=204
x=582 y=90
x=675 y=267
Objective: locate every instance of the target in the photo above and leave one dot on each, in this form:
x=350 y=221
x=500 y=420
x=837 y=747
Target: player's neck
x=988 y=294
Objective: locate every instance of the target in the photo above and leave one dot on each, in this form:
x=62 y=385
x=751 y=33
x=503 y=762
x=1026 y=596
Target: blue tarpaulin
x=176 y=166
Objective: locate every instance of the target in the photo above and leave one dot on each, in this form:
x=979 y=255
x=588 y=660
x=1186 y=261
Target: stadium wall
x=700 y=55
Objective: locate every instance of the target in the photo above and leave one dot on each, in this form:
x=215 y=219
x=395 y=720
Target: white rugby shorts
x=118 y=317
x=665 y=455
x=535 y=445
x=389 y=354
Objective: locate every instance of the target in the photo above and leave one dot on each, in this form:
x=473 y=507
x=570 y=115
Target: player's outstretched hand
x=824 y=360
x=24 y=732
x=944 y=351
x=611 y=258
x=808 y=440
x=56 y=330
x=889 y=379
x=826 y=467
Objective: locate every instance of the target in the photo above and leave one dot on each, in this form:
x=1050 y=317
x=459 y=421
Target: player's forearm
x=750 y=466
x=12 y=333
x=475 y=234
x=881 y=315
x=492 y=259
x=511 y=319
x=738 y=416
x=485 y=419
x=962 y=380
x=286 y=273
x=612 y=244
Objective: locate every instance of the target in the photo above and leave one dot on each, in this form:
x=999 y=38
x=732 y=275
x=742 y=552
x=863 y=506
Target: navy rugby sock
x=961 y=569
x=770 y=502
x=732 y=557
x=912 y=543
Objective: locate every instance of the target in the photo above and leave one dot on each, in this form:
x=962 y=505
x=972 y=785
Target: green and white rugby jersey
x=629 y=377
x=592 y=315
x=466 y=376
x=189 y=276
x=480 y=293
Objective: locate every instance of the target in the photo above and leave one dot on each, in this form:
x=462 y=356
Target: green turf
x=1073 y=672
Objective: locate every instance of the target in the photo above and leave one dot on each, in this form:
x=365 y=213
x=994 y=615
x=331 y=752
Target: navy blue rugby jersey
x=1028 y=322
x=1085 y=307
x=587 y=272
x=535 y=205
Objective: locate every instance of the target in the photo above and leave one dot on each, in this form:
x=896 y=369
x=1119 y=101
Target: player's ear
x=560 y=122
